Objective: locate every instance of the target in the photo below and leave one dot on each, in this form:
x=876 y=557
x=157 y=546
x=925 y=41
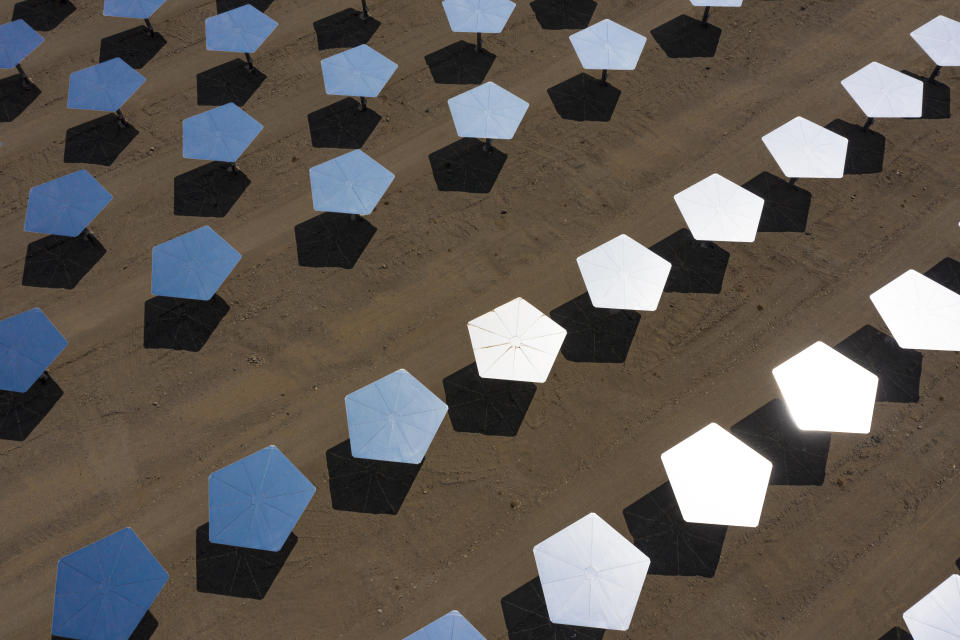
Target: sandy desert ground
x=854 y=529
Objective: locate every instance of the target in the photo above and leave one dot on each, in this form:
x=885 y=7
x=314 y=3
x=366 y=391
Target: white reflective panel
x=515 y=341
x=940 y=39
x=937 y=615
x=717 y=209
x=827 y=391
x=608 y=45
x=803 y=149
x=920 y=313
x=623 y=274
x=717 y=479
x=591 y=575
x=882 y=92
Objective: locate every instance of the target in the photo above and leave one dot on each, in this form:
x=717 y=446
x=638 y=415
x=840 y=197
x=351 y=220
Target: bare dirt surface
x=137 y=431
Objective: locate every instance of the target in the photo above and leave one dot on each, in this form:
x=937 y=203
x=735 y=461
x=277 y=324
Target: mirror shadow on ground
x=785 y=206
x=686 y=37
x=595 y=335
x=135 y=46
x=367 y=486
x=342 y=125
x=459 y=63
x=99 y=141
x=209 y=191
x=584 y=98
x=60 y=262
x=467 y=166
x=798 y=457
x=563 y=14
x=43 y=15
x=936 y=98
x=484 y=405
x=179 y=324
x=947 y=273
x=332 y=240
x=526 y=617
x=15 y=97
x=21 y=413
x=235 y=571
x=865 y=147
x=896 y=633
x=675 y=547
x=697 y=266
x=231 y=81
x=344 y=29
x=898 y=369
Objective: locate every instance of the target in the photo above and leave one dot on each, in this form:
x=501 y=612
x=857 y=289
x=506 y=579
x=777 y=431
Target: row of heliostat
x=517 y=342
x=591 y=575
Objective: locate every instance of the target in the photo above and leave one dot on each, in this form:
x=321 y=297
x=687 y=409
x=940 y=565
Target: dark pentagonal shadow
x=342 y=125
x=698 y=266
x=525 y=614
x=686 y=37
x=466 y=166
x=21 y=413
x=563 y=14
x=144 y=631
x=183 y=325
x=228 y=5
x=208 y=191
x=344 y=29
x=595 y=335
x=785 y=206
x=865 y=147
x=99 y=141
x=936 y=98
x=235 y=571
x=367 y=486
x=459 y=63
x=15 y=97
x=898 y=369
x=947 y=273
x=584 y=98
x=231 y=81
x=675 y=547
x=484 y=405
x=798 y=457
x=43 y=15
x=896 y=633
x=60 y=262
x=332 y=240
x=135 y=46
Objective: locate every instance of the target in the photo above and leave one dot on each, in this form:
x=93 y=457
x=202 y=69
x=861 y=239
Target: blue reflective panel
x=65 y=206
x=29 y=343
x=103 y=87
x=452 y=626
x=256 y=502
x=393 y=419
x=608 y=45
x=359 y=71
x=223 y=134
x=487 y=111
x=193 y=265
x=351 y=183
x=105 y=589
x=478 y=16
x=131 y=8
x=241 y=30
x=17 y=41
